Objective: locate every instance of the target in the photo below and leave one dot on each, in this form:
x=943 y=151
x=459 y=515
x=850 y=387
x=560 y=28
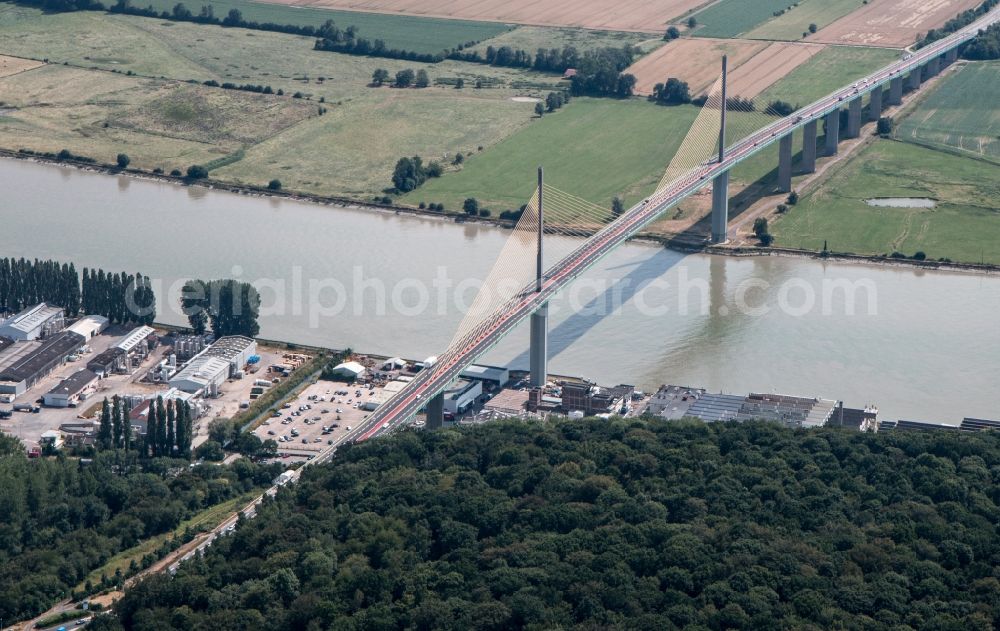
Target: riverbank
x=684 y=243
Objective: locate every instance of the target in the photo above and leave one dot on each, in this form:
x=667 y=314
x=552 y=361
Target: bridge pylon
x=538 y=350
x=720 y=185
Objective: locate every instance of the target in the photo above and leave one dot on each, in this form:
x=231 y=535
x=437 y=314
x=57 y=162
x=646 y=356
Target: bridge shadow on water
x=607 y=303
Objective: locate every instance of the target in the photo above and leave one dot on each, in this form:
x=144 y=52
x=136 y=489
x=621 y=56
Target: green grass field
x=592 y=148
x=965 y=225
x=832 y=68
x=960 y=114
x=350 y=151
x=531 y=38
x=793 y=23
x=425 y=35
x=731 y=18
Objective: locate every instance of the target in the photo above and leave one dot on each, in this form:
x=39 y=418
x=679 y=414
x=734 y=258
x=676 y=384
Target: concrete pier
x=785 y=164
x=913 y=81
x=435 y=411
x=933 y=67
x=832 y=132
x=809 y=147
x=896 y=91
x=720 y=208
x=951 y=56
x=539 y=350
x=875 y=104
x=854 y=119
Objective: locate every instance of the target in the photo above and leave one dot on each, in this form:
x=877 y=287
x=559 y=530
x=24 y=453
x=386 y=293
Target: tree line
x=61 y=519
x=599 y=72
x=25 y=283
x=962 y=20
x=620 y=523
x=168 y=428
x=228 y=307
x=985 y=46
x=120 y=297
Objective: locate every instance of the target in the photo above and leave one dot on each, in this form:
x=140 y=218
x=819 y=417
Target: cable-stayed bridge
x=527 y=276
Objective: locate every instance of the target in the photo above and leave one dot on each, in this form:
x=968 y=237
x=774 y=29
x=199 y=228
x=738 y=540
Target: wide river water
x=919 y=344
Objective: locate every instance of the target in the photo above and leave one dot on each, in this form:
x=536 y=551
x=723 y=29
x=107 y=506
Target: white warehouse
x=33 y=323
x=209 y=369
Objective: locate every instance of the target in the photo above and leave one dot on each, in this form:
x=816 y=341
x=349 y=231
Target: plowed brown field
x=753 y=66
x=13 y=65
x=619 y=15
x=891 y=23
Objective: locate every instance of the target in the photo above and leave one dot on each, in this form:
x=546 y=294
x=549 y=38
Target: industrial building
x=791 y=411
x=349 y=370
x=207 y=371
x=714 y=408
x=70 y=390
x=494 y=376
x=673 y=402
x=460 y=397
x=508 y=402
x=677 y=402
x=108 y=362
x=203 y=374
x=23 y=364
x=968 y=424
x=592 y=399
x=89 y=326
x=137 y=343
x=187 y=346
x=33 y=323
x=234 y=349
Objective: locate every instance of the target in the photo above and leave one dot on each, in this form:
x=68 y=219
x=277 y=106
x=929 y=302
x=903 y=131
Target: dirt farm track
x=891 y=23
x=620 y=15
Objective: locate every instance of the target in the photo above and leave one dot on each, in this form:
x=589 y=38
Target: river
x=919 y=344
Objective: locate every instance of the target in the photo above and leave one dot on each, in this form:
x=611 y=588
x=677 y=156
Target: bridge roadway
x=398 y=410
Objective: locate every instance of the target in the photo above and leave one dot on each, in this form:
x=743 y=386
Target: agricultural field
x=531 y=38
x=698 y=61
x=791 y=24
x=753 y=65
x=351 y=151
x=960 y=114
x=626 y=15
x=891 y=23
x=592 y=148
x=158 y=123
x=14 y=65
x=356 y=160
x=832 y=68
x=964 y=226
x=732 y=18
x=423 y=35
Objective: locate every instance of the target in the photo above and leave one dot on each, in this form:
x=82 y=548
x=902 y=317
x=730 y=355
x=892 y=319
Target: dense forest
x=61 y=518
x=120 y=297
x=610 y=524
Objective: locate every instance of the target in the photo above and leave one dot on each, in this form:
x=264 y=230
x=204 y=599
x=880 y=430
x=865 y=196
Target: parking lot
x=322 y=413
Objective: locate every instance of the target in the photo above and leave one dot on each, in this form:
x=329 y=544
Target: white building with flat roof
x=133 y=338
x=204 y=374
x=89 y=326
x=33 y=323
x=461 y=396
x=349 y=370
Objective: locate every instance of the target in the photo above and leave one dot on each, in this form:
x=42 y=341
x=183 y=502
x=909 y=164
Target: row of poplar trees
x=168 y=428
x=120 y=297
x=24 y=283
